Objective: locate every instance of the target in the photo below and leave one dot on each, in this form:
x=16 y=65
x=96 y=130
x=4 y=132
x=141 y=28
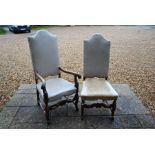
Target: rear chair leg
x=46 y=109
x=76 y=102
x=38 y=99
x=113 y=109
x=82 y=109
x=47 y=114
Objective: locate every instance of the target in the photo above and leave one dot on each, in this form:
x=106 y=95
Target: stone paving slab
x=146 y=121
x=28 y=126
x=123 y=89
x=26 y=91
x=102 y=122
x=130 y=105
x=9 y=111
x=65 y=123
x=5 y=121
x=27 y=86
x=130 y=122
x=22 y=100
x=22 y=112
x=29 y=115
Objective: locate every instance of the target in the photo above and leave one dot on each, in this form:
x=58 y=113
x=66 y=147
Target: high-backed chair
x=45 y=58
x=95 y=79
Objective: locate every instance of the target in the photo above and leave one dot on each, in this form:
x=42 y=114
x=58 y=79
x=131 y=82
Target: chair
x=95 y=86
x=54 y=91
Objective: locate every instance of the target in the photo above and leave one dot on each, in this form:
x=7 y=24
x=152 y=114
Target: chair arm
x=68 y=72
x=76 y=76
x=39 y=77
x=43 y=87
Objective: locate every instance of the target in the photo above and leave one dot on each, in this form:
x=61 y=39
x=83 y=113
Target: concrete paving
x=22 y=112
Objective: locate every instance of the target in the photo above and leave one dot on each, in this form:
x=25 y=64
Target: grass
x=1 y=109
x=38 y=27
x=2 y=31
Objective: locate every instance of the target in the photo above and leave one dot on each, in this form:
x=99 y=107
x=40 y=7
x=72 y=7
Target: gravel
x=132 y=59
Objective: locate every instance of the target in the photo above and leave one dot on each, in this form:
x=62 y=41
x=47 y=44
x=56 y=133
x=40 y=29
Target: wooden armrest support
x=43 y=87
x=40 y=77
x=68 y=72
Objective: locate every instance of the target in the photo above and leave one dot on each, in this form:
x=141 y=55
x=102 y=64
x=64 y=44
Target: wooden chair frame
x=111 y=106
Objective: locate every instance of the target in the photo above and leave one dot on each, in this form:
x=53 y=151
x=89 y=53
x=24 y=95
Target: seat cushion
x=57 y=88
x=97 y=88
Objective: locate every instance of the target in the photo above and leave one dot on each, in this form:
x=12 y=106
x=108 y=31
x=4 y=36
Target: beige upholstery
x=44 y=52
x=96 y=66
x=96 y=56
x=57 y=88
x=97 y=88
x=95 y=85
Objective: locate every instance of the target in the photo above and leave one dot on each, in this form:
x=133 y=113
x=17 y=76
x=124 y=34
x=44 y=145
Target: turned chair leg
x=46 y=109
x=82 y=109
x=38 y=99
x=47 y=114
x=113 y=109
x=76 y=102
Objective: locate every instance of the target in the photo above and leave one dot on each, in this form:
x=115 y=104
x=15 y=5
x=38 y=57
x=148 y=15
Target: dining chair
x=95 y=86
x=52 y=90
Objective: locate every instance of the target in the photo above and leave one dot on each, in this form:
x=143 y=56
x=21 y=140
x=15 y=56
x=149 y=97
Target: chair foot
x=38 y=104
x=76 y=107
x=47 y=116
x=112 y=118
x=82 y=117
x=48 y=123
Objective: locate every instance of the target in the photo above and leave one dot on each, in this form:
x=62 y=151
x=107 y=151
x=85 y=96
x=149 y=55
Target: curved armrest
x=76 y=76
x=39 y=77
x=68 y=72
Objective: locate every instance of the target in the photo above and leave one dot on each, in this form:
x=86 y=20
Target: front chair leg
x=76 y=94
x=76 y=101
x=38 y=99
x=113 y=109
x=82 y=109
x=46 y=108
x=43 y=87
x=47 y=114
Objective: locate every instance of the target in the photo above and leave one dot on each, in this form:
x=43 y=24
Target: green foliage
x=2 y=31
x=38 y=27
x=1 y=109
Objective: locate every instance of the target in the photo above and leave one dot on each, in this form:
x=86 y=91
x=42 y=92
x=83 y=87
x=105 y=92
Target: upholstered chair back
x=44 y=52
x=96 y=57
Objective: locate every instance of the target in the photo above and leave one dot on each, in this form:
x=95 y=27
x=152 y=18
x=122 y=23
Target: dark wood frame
x=75 y=99
x=111 y=106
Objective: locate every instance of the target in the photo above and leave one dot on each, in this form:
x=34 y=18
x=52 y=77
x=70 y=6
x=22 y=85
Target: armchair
x=45 y=59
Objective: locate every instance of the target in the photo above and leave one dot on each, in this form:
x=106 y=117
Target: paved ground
x=22 y=112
